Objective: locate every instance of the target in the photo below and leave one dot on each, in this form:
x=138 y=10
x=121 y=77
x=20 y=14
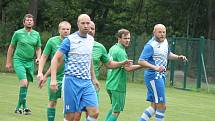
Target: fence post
x=186 y=65
x=201 y=51
x=172 y=63
x=134 y=53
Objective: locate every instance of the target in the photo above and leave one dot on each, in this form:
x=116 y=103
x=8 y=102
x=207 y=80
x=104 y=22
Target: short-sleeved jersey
x=116 y=78
x=50 y=49
x=78 y=52
x=155 y=53
x=26 y=43
x=99 y=55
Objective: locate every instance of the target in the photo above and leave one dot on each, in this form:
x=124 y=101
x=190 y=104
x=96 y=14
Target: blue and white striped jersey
x=78 y=52
x=155 y=53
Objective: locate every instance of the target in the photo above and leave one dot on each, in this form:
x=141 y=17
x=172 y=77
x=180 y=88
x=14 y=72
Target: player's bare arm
x=146 y=64
x=38 y=55
x=40 y=77
x=93 y=76
x=9 y=57
x=173 y=56
x=54 y=63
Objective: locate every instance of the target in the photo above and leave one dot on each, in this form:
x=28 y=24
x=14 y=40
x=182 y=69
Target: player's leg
x=21 y=73
x=77 y=116
x=69 y=116
x=118 y=103
x=71 y=97
x=160 y=106
x=29 y=67
x=150 y=111
x=53 y=96
x=51 y=110
x=110 y=111
x=89 y=100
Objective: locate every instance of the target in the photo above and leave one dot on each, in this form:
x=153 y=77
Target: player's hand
x=128 y=63
x=53 y=85
x=9 y=66
x=37 y=60
x=40 y=80
x=182 y=58
x=160 y=69
x=96 y=84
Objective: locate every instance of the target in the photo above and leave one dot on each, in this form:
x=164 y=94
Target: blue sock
x=159 y=115
x=147 y=114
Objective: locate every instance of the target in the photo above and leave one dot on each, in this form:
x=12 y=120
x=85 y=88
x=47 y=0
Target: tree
x=33 y=8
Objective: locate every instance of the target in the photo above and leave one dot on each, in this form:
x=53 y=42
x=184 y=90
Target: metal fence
x=186 y=75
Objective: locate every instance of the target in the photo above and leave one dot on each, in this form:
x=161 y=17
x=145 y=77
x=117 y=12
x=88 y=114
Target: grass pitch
x=181 y=105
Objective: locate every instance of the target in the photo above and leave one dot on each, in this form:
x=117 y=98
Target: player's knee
x=52 y=103
x=24 y=83
x=161 y=106
x=77 y=116
x=94 y=113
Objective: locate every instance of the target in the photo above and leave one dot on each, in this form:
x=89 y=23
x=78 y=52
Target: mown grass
x=181 y=105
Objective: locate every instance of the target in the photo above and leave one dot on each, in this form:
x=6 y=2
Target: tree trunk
x=33 y=8
x=211 y=20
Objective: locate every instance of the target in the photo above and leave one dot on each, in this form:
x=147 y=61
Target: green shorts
x=24 y=69
x=55 y=95
x=117 y=100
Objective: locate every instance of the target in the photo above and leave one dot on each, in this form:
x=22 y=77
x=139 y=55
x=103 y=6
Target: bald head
x=83 y=24
x=159 y=26
x=83 y=16
x=92 y=29
x=159 y=32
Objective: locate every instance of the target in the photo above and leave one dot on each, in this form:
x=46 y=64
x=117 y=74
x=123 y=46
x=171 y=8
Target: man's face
x=28 y=22
x=84 y=25
x=125 y=40
x=160 y=34
x=64 y=30
x=92 y=29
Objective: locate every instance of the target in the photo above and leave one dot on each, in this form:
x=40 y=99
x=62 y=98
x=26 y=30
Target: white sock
x=147 y=114
x=91 y=119
x=159 y=115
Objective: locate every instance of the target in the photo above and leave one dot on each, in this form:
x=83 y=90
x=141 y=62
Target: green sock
x=51 y=114
x=19 y=101
x=108 y=115
x=22 y=97
x=112 y=118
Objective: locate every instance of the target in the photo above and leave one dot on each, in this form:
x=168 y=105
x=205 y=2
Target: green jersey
x=99 y=55
x=50 y=49
x=116 y=78
x=26 y=43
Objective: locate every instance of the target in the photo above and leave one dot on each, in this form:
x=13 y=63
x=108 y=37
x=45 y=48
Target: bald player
x=154 y=58
x=79 y=77
x=51 y=47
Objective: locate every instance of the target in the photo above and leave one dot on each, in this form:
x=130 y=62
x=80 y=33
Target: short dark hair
x=28 y=16
x=121 y=32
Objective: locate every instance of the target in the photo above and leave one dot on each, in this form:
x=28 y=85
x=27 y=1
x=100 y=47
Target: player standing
x=116 y=78
x=26 y=42
x=50 y=49
x=154 y=58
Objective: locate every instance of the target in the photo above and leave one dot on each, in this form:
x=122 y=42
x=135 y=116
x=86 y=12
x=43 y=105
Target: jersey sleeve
x=47 y=50
x=39 y=41
x=104 y=57
x=146 y=53
x=14 y=39
x=65 y=46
